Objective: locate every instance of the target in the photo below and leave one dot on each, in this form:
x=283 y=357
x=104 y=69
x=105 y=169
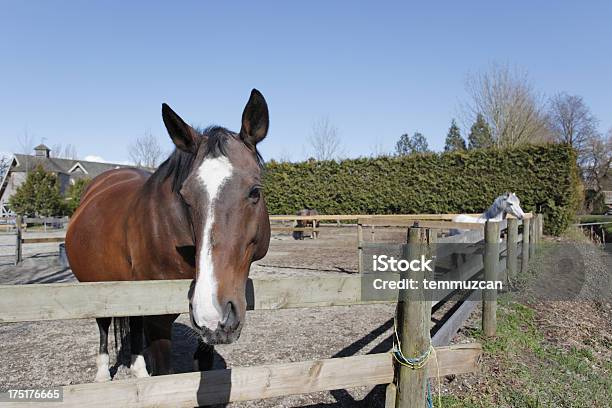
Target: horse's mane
x=180 y=164
x=496 y=207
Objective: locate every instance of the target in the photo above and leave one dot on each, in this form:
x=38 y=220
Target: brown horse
x=306 y=223
x=200 y=216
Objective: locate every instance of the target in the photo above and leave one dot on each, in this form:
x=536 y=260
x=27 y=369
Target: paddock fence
x=20 y=225
x=406 y=387
x=595 y=231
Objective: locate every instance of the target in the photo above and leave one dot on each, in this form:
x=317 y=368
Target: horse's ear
x=183 y=136
x=255 y=119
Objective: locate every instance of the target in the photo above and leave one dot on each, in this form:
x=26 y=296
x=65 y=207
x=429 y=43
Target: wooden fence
x=596 y=231
x=338 y=218
x=406 y=387
x=20 y=241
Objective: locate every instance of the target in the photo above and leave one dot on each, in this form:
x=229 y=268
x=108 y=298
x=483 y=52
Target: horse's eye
x=255 y=194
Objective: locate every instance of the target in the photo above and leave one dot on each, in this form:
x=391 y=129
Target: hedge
x=545 y=178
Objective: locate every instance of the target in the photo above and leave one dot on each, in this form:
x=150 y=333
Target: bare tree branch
x=378 y=150
x=598 y=160
x=509 y=104
x=64 y=152
x=145 y=151
x=26 y=142
x=571 y=122
x=324 y=140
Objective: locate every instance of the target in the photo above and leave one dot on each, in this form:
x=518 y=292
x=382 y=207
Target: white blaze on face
x=207 y=312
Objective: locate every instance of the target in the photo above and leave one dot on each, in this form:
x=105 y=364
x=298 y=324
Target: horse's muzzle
x=227 y=331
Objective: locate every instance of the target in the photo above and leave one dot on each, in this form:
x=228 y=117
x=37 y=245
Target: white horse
x=503 y=205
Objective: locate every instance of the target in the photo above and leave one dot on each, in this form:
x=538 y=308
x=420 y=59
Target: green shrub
x=544 y=177
x=73 y=196
x=39 y=195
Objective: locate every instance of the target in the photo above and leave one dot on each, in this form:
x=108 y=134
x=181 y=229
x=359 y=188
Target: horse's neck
x=495 y=213
x=165 y=207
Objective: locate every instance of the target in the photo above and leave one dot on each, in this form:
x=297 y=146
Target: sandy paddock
x=63 y=352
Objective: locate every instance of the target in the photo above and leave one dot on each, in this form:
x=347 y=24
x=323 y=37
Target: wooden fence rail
x=249 y=383
x=54 y=301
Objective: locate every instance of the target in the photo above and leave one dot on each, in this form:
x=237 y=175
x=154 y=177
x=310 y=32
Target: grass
x=522 y=369
x=532 y=373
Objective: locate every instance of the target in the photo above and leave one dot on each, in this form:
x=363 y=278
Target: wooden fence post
x=360 y=248
x=533 y=235
x=18 y=252
x=413 y=319
x=540 y=227
x=512 y=250
x=489 y=296
x=390 y=393
x=525 y=249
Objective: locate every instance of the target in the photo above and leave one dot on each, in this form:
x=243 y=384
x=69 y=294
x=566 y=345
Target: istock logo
x=384 y=263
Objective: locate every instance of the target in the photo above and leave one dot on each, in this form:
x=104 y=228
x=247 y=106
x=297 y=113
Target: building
x=67 y=171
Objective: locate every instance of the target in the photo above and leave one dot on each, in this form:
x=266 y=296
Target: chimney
x=41 y=151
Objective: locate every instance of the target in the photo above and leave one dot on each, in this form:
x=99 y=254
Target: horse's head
x=222 y=189
x=512 y=205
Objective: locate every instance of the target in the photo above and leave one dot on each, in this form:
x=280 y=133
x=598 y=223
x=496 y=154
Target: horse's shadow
x=185 y=342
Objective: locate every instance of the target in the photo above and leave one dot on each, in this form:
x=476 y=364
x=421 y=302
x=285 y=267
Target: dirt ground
x=63 y=352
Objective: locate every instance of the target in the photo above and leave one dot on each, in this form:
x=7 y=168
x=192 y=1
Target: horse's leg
x=158 y=330
x=102 y=361
x=138 y=366
x=203 y=357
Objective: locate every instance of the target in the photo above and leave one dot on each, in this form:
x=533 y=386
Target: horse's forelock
x=179 y=165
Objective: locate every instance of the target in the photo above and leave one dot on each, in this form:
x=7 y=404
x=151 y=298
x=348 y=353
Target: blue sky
x=95 y=74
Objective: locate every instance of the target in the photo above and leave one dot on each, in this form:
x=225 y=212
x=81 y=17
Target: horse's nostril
x=230 y=318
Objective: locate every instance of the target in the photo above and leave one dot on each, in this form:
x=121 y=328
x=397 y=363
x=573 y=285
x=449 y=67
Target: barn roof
x=26 y=162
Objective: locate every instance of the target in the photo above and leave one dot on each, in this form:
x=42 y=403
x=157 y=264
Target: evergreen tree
x=480 y=134
x=407 y=145
x=454 y=141
x=38 y=196
x=75 y=192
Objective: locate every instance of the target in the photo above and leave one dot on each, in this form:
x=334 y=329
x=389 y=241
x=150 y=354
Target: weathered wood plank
x=420 y=222
x=360 y=248
x=463 y=238
x=108 y=299
x=296 y=229
x=448 y=330
x=390 y=393
x=18 y=248
x=97 y=299
x=525 y=246
x=42 y=240
x=258 y=382
x=491 y=262
x=413 y=317
x=348 y=217
x=512 y=250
